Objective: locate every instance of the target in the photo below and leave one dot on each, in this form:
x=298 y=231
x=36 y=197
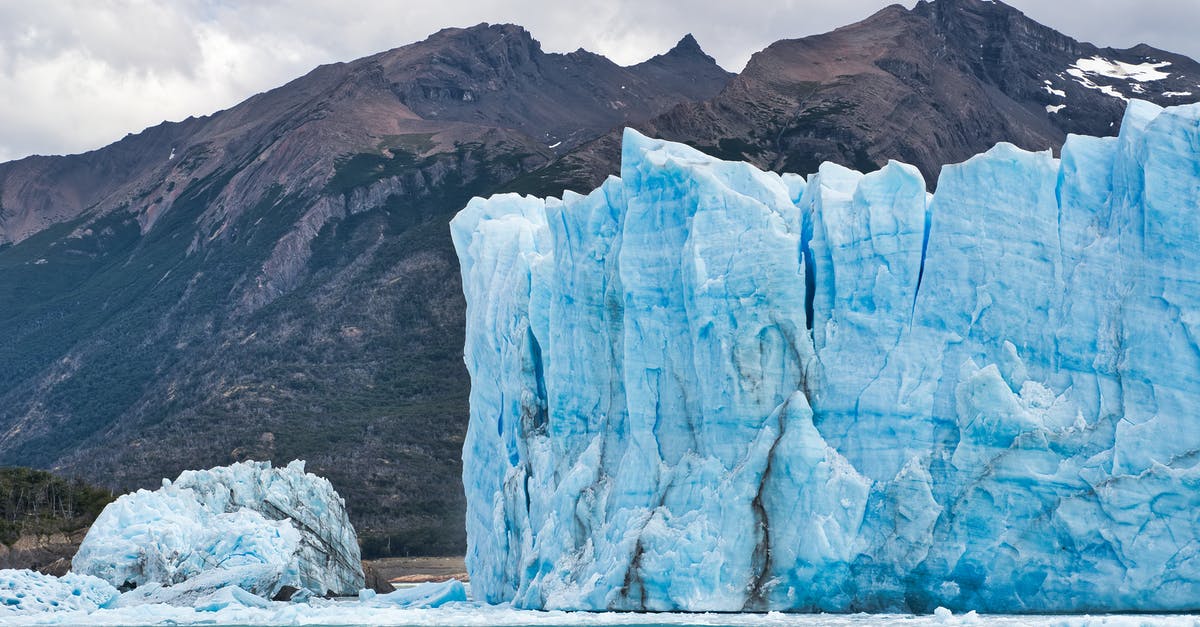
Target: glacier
x=268 y=531
x=705 y=387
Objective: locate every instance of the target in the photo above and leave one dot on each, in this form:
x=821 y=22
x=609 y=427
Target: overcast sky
x=79 y=74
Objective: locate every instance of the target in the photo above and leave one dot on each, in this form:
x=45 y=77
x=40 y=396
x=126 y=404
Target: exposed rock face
x=46 y=553
x=248 y=525
x=500 y=76
x=376 y=581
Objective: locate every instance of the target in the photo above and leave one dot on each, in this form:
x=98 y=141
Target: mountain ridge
x=408 y=86
x=905 y=84
x=266 y=280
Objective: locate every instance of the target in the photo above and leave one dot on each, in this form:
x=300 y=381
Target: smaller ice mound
x=426 y=595
x=272 y=532
x=229 y=596
x=30 y=592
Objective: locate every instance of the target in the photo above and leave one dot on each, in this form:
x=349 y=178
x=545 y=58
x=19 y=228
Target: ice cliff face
x=249 y=525
x=706 y=387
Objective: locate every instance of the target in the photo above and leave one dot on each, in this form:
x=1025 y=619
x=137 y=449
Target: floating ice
x=357 y=614
x=249 y=525
x=706 y=387
x=229 y=596
x=30 y=598
x=24 y=592
x=421 y=595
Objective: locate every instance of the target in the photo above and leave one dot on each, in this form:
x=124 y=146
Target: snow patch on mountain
x=1107 y=90
x=1054 y=92
x=1140 y=72
x=1084 y=70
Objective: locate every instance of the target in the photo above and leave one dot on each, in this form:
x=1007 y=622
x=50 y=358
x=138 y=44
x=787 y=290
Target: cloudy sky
x=79 y=74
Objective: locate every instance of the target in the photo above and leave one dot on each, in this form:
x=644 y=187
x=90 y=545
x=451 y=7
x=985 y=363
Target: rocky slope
x=277 y=280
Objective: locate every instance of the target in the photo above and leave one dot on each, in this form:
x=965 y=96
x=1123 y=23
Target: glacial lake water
x=808 y=620
x=330 y=616
x=848 y=621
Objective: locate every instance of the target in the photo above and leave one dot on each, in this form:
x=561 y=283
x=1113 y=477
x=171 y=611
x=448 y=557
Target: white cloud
x=79 y=74
x=75 y=76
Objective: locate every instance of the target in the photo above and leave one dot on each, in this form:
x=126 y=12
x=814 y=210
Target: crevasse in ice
x=706 y=387
x=247 y=525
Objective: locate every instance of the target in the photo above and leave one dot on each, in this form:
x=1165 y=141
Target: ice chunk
x=427 y=595
x=29 y=592
x=707 y=387
x=229 y=596
x=247 y=525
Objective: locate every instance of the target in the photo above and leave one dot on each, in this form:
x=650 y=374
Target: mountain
x=277 y=281
x=457 y=85
x=928 y=86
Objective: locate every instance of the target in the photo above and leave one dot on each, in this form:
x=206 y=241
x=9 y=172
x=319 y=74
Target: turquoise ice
x=248 y=525
x=707 y=387
x=30 y=593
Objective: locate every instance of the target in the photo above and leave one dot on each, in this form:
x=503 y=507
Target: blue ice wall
x=706 y=387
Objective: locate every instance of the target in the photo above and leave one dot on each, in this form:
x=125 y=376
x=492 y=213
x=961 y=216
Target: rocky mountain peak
x=929 y=85
x=950 y=8
x=486 y=34
x=688 y=46
x=684 y=69
x=686 y=52
x=487 y=49
x=990 y=23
